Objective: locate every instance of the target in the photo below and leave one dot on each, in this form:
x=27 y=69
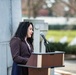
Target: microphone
x=45 y=42
x=42 y=35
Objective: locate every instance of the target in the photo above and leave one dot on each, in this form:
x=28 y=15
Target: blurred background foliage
x=55 y=9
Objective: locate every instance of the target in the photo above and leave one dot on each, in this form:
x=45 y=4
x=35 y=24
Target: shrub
x=70 y=49
x=51 y=47
x=59 y=27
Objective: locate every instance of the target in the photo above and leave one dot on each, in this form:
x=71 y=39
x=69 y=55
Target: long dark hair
x=22 y=31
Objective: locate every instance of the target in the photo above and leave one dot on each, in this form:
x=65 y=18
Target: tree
x=55 y=7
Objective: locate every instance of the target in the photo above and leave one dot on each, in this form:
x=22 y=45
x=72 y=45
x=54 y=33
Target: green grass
x=58 y=34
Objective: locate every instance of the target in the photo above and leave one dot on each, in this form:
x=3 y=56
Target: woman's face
x=30 y=31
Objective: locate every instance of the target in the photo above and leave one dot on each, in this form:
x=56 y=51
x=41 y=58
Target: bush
x=70 y=49
x=59 y=27
x=51 y=47
x=56 y=47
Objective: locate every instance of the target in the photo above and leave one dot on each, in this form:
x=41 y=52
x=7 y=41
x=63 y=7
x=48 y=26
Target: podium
x=40 y=63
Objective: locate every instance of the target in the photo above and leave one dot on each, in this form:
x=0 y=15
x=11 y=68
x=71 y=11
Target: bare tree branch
x=69 y=5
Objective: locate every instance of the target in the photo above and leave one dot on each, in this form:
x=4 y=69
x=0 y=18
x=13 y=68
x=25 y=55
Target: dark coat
x=20 y=54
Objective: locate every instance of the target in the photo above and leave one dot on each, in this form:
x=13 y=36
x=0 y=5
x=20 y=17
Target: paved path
x=70 y=66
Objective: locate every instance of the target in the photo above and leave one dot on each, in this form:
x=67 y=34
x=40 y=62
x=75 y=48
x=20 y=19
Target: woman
x=21 y=47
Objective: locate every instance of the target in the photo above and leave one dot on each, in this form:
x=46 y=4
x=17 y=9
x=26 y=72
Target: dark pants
x=17 y=70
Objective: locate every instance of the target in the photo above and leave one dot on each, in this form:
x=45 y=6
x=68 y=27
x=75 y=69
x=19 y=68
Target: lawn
x=58 y=34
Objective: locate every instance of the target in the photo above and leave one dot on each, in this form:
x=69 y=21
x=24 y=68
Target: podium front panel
x=46 y=60
x=39 y=71
x=52 y=60
x=59 y=60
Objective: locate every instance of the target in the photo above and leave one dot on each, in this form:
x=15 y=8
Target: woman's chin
x=29 y=37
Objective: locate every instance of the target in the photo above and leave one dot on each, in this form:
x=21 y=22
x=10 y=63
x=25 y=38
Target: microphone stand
x=46 y=43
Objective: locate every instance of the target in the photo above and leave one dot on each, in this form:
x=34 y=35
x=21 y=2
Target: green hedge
x=50 y=47
x=70 y=49
x=59 y=27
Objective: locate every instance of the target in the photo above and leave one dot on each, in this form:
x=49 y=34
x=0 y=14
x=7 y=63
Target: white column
x=43 y=49
x=5 y=20
x=16 y=17
x=5 y=34
x=3 y=64
x=10 y=16
x=36 y=39
x=16 y=14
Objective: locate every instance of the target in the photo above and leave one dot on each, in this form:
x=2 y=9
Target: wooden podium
x=40 y=63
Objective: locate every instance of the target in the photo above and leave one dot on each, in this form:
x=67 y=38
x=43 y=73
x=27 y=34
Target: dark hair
x=22 y=31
